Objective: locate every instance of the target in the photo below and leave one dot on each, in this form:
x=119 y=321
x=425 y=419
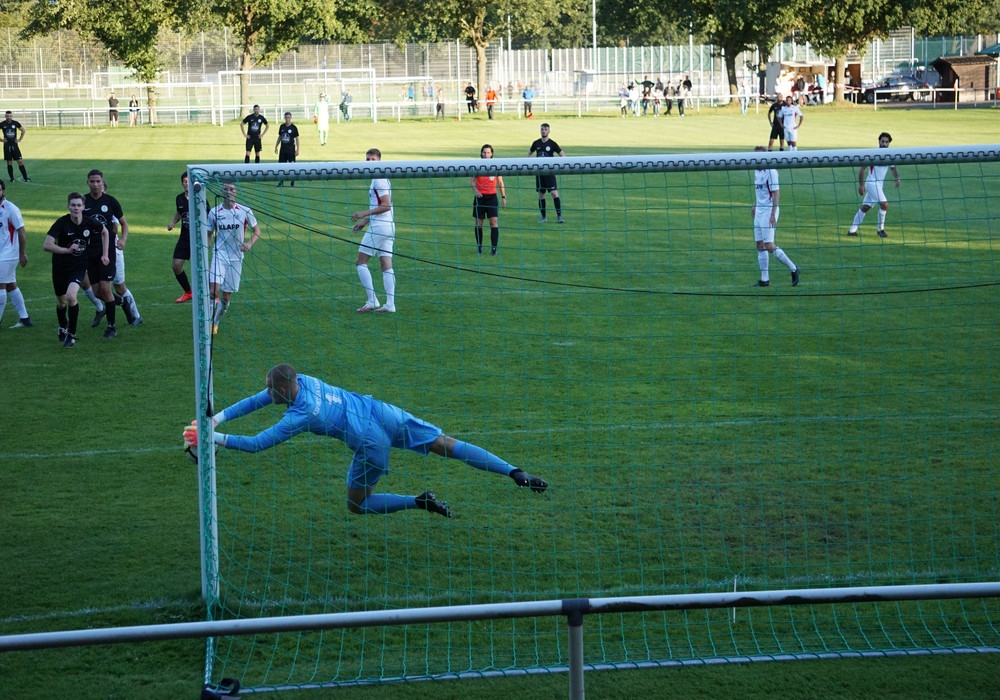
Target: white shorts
x=791 y=135
x=378 y=241
x=874 y=193
x=119 y=277
x=8 y=271
x=762 y=229
x=226 y=273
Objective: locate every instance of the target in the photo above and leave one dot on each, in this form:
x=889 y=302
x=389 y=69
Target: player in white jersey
x=12 y=253
x=870 y=179
x=765 y=219
x=378 y=240
x=791 y=118
x=229 y=222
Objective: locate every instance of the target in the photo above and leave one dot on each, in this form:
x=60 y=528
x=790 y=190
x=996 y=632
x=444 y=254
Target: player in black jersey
x=287 y=145
x=79 y=245
x=11 y=151
x=253 y=133
x=547 y=148
x=182 y=249
x=106 y=209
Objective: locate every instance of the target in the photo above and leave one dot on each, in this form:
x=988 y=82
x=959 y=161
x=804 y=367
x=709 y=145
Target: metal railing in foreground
x=574 y=609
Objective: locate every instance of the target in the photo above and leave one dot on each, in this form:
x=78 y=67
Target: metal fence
x=62 y=80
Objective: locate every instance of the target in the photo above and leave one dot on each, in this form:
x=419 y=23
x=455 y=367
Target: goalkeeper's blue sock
x=480 y=459
x=385 y=503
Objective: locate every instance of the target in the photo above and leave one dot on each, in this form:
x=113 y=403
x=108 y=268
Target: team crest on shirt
x=104 y=208
x=86 y=233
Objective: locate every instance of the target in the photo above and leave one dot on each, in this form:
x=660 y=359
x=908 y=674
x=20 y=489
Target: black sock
x=10 y=170
x=256 y=158
x=182 y=280
x=61 y=315
x=494 y=235
x=246 y=159
x=24 y=171
x=109 y=307
x=541 y=206
x=558 y=202
x=74 y=314
x=479 y=236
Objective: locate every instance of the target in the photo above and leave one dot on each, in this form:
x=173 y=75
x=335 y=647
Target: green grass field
x=100 y=510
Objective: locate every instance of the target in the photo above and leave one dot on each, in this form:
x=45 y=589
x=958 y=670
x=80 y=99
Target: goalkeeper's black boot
x=524 y=479
x=428 y=502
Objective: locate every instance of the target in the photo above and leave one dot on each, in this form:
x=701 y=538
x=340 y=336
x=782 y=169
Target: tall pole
x=593 y=16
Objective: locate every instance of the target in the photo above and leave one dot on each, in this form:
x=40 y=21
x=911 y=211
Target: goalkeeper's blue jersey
x=318 y=408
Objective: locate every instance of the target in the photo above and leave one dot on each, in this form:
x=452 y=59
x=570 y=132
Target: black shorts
x=777 y=130
x=286 y=155
x=486 y=207
x=253 y=143
x=11 y=151
x=99 y=272
x=545 y=183
x=182 y=249
x=63 y=275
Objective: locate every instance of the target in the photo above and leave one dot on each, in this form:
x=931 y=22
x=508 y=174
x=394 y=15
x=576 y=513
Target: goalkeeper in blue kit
x=370 y=428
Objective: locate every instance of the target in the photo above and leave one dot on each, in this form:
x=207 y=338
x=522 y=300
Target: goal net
x=700 y=433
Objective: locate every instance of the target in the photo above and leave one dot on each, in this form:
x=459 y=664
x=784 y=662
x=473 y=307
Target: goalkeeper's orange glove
x=191 y=434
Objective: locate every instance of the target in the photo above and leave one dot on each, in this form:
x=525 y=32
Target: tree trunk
x=151 y=102
x=839 y=77
x=480 y=70
x=734 y=87
x=246 y=65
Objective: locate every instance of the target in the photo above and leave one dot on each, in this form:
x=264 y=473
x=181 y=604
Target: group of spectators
x=650 y=96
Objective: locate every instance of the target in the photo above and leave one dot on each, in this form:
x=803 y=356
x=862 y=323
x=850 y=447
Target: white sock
x=793 y=148
x=98 y=304
x=881 y=219
x=763 y=262
x=779 y=254
x=221 y=307
x=389 y=280
x=3 y=301
x=858 y=218
x=366 y=282
x=17 y=299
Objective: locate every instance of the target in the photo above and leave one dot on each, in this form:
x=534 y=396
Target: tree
x=268 y=28
x=475 y=22
x=128 y=30
x=836 y=28
x=735 y=26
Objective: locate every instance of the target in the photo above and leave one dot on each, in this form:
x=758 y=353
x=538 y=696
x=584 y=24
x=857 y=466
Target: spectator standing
x=133 y=111
x=528 y=95
x=491 y=99
x=113 y=109
x=470 y=98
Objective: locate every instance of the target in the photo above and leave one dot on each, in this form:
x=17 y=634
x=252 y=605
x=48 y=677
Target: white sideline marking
x=674 y=425
x=82 y=612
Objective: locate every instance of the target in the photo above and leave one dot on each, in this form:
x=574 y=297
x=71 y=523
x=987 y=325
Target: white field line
x=581 y=428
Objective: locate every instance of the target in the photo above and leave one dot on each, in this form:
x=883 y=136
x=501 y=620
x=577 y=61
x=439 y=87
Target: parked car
x=897 y=87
